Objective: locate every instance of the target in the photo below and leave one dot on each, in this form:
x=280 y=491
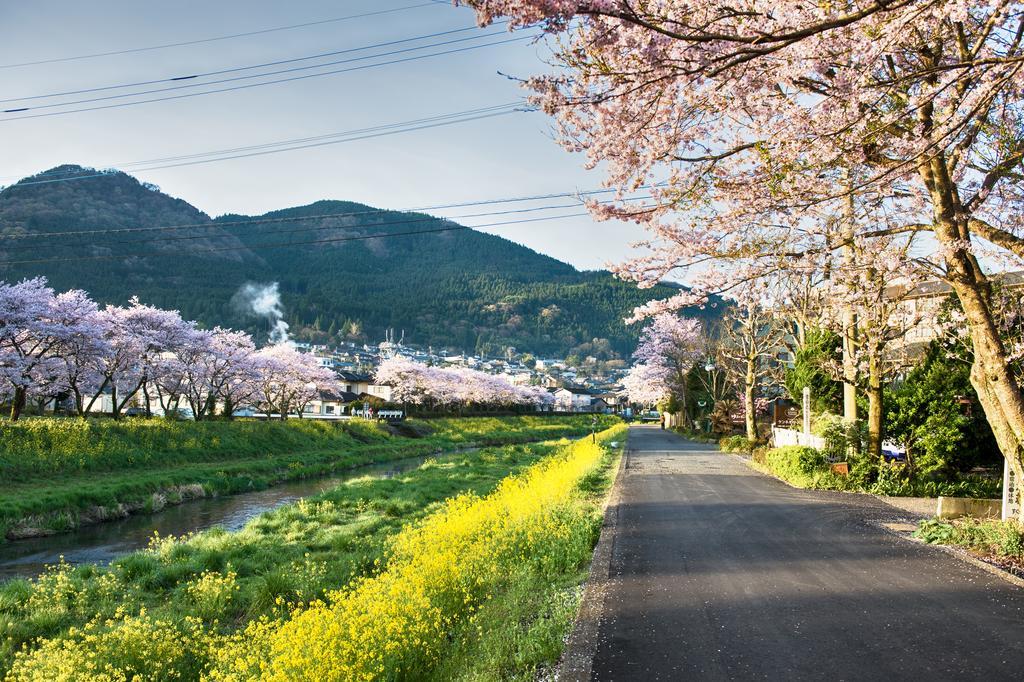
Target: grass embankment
x=998 y=542
x=331 y=588
x=806 y=467
x=59 y=473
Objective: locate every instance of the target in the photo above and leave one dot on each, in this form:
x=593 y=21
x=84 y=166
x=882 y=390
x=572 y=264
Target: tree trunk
x=18 y=403
x=875 y=403
x=748 y=400
x=998 y=391
x=97 y=394
x=145 y=397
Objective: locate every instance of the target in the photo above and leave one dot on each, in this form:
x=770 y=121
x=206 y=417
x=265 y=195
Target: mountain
x=345 y=273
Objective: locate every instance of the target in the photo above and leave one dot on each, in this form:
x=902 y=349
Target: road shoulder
x=913 y=514
x=581 y=647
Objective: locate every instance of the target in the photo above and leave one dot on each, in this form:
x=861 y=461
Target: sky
x=504 y=156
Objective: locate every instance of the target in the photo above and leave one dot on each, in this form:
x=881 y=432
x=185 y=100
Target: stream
x=101 y=543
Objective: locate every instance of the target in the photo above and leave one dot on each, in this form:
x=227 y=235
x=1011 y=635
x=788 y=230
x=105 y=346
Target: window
x=328 y=409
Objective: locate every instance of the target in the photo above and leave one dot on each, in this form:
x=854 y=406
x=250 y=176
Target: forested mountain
x=462 y=289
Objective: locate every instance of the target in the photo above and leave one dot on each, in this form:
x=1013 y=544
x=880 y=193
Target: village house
x=920 y=310
x=572 y=399
x=330 y=405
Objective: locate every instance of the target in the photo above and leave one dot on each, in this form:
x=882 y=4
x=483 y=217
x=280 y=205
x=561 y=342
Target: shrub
x=926 y=413
x=843 y=440
x=795 y=462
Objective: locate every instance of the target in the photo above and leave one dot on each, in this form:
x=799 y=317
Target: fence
x=782 y=437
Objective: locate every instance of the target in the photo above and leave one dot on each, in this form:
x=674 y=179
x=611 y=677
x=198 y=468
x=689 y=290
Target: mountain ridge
x=343 y=272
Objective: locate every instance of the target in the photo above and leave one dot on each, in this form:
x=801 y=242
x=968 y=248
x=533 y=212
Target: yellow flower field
x=395 y=624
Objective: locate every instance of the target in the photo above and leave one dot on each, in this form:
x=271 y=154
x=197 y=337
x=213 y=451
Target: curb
x=580 y=648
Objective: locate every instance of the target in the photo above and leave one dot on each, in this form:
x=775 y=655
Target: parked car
x=894 y=453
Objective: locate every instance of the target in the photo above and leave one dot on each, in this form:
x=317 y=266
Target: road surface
x=717 y=572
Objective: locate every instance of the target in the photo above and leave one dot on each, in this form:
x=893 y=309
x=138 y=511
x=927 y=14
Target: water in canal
x=103 y=542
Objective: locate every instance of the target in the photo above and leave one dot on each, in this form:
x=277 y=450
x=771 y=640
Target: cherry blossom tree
x=188 y=372
x=234 y=373
x=876 y=295
x=289 y=380
x=675 y=344
x=418 y=384
x=78 y=355
x=137 y=337
x=753 y=336
x=647 y=384
x=52 y=345
x=410 y=382
x=35 y=326
x=757 y=124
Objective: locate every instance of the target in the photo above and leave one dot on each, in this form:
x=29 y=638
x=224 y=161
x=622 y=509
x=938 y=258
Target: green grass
x=289 y=556
x=49 y=446
x=103 y=463
x=999 y=539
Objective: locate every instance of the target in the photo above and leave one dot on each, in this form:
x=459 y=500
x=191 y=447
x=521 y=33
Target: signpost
x=1011 y=492
x=807 y=409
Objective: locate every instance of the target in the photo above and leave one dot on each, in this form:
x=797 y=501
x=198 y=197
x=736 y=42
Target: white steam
x=264 y=301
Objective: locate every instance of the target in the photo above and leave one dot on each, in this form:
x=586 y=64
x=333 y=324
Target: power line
x=274 y=245
x=270 y=82
x=317 y=228
x=280 y=146
x=237 y=69
x=213 y=39
x=319 y=216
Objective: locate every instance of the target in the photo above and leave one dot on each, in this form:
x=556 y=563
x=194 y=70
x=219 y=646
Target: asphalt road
x=719 y=573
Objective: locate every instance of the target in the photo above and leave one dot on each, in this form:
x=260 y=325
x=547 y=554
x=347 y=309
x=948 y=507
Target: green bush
x=809 y=468
x=794 y=461
x=935 y=413
x=894 y=481
x=843 y=439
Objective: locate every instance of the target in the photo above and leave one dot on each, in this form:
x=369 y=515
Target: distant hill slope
x=463 y=289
